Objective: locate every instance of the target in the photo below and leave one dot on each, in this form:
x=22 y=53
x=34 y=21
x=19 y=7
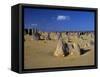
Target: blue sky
x=58 y=20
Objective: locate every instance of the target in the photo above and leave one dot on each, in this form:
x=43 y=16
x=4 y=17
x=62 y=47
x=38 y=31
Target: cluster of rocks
x=39 y=35
x=76 y=43
x=68 y=42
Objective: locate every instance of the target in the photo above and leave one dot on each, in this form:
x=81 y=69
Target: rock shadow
x=83 y=51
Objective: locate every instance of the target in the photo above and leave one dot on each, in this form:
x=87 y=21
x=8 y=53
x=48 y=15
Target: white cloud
x=34 y=24
x=62 y=17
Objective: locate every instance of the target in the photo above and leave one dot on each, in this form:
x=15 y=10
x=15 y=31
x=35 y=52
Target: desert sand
x=39 y=54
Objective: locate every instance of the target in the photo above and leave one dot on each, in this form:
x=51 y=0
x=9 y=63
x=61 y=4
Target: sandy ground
x=39 y=54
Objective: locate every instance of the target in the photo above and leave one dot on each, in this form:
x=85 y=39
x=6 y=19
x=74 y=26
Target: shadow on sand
x=83 y=51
